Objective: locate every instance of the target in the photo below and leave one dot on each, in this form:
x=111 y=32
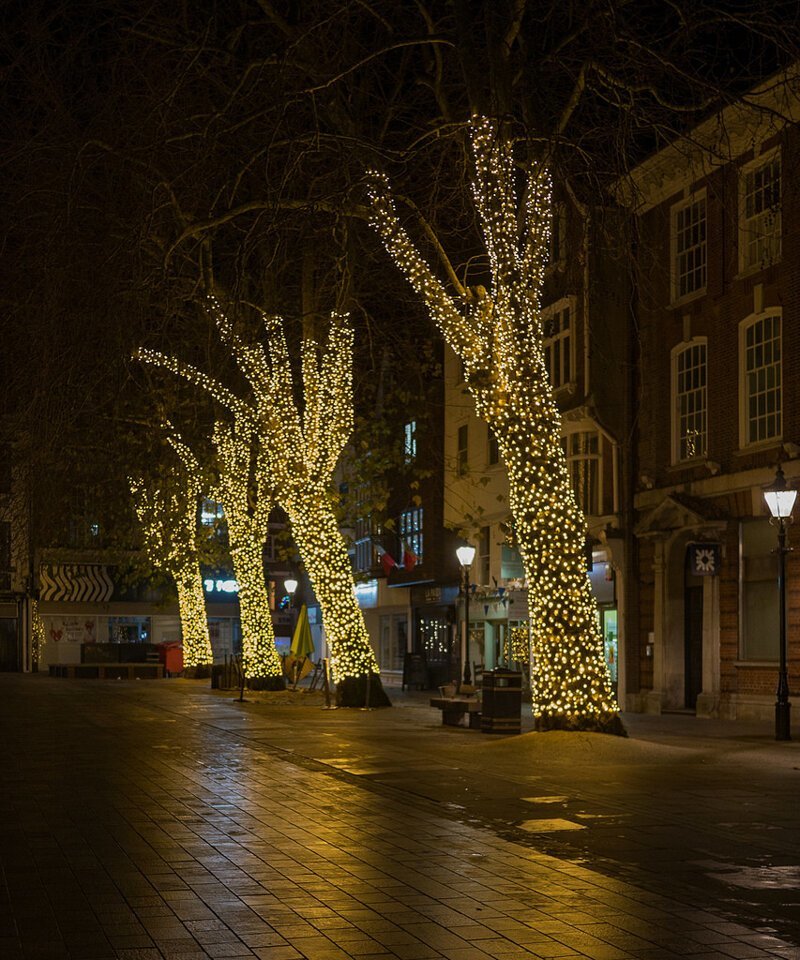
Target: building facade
x=718 y=291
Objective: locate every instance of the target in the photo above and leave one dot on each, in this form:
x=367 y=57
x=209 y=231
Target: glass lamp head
x=780 y=497
x=290 y=586
x=465 y=554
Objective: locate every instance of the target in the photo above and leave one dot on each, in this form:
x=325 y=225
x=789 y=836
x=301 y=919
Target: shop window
x=760 y=212
x=558 y=341
x=582 y=450
x=462 y=455
x=411 y=533
x=758 y=591
x=394 y=641
x=760 y=352
x=689 y=393
x=689 y=247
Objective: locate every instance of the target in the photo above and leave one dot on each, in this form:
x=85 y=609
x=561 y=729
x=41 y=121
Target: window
x=485 y=555
x=492 y=447
x=558 y=340
x=689 y=248
x=410 y=530
x=365 y=558
x=689 y=401
x=462 y=456
x=211 y=512
x=760 y=347
x=582 y=450
x=394 y=641
x=760 y=212
x=758 y=571
x=410 y=441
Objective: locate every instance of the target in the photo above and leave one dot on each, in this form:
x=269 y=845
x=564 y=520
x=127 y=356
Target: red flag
x=409 y=559
x=387 y=561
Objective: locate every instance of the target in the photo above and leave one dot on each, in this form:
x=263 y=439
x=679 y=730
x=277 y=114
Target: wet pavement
x=160 y=820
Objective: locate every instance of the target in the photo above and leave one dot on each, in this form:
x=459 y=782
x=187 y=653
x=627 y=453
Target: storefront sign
x=704 y=559
x=213 y=585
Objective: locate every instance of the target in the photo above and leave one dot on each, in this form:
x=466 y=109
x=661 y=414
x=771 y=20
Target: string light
x=169 y=525
x=248 y=529
x=300 y=456
x=498 y=336
x=37 y=633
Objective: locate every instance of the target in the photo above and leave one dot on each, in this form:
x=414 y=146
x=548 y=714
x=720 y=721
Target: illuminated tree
x=497 y=334
x=302 y=448
x=239 y=473
x=168 y=518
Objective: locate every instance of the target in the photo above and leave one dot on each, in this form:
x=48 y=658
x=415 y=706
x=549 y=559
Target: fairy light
x=37 y=632
x=519 y=644
x=498 y=336
x=248 y=529
x=301 y=450
x=169 y=526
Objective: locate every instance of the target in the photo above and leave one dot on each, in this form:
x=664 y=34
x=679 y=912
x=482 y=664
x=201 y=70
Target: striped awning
x=75 y=583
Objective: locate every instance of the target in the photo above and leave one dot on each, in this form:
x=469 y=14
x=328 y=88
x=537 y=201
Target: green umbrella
x=302 y=646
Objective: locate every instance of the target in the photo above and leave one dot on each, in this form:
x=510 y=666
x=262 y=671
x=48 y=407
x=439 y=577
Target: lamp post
x=780 y=500
x=466 y=554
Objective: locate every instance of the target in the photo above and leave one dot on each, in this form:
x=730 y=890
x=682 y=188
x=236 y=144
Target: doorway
x=692 y=643
x=9 y=648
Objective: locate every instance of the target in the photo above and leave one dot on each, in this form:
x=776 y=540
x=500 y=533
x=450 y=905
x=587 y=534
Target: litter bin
x=501 y=703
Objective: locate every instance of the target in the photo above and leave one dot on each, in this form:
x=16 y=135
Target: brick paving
x=154 y=821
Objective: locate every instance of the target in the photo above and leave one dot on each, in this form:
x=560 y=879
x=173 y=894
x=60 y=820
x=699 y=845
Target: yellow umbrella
x=302 y=645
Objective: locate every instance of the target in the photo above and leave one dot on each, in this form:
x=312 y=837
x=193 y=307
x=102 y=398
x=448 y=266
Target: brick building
x=717 y=268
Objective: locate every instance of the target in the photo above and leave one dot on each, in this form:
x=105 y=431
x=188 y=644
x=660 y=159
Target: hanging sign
x=704 y=559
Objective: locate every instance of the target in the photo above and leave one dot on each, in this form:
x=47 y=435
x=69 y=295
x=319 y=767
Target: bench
x=454 y=708
x=108 y=671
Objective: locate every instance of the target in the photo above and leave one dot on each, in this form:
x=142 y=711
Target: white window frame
x=768 y=235
x=410 y=441
x=410 y=529
x=573 y=459
x=677 y=415
x=559 y=348
x=746 y=437
x=677 y=295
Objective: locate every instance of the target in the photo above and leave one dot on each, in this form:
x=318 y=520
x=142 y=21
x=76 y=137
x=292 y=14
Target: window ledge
x=756 y=664
x=746 y=272
x=760 y=447
x=711 y=465
x=687 y=298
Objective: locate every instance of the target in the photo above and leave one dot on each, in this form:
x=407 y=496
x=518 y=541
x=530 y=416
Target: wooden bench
x=454 y=708
x=107 y=671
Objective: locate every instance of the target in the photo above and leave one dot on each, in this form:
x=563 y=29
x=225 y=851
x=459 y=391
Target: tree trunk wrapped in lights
x=498 y=336
x=169 y=524
x=248 y=528
x=301 y=453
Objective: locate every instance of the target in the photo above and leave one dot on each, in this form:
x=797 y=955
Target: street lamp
x=290 y=586
x=780 y=500
x=466 y=554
